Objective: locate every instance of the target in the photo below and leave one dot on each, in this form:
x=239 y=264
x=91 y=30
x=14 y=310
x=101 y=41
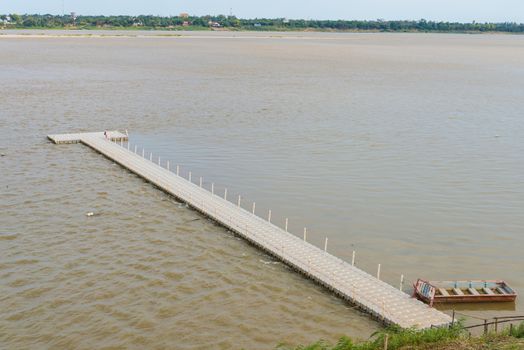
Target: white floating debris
x=90 y=213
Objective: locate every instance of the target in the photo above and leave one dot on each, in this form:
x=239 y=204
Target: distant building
x=186 y=24
x=214 y=24
x=257 y=25
x=184 y=15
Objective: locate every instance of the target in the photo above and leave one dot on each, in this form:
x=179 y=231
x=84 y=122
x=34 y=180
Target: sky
x=445 y=10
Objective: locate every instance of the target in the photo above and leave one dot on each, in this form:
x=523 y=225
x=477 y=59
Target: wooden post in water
x=286 y=224
x=143 y=152
x=135 y=149
x=200 y=181
x=212 y=188
x=325 y=244
x=189 y=176
x=254 y=206
x=225 y=193
x=128 y=145
x=269 y=216
x=239 y=198
x=305 y=234
x=151 y=156
x=378 y=272
x=168 y=165
x=353 y=258
x=159 y=160
x=177 y=169
x=401 y=282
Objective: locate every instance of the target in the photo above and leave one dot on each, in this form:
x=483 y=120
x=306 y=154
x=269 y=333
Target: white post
x=128 y=145
x=305 y=234
x=135 y=149
x=269 y=216
x=151 y=156
x=353 y=259
x=254 y=206
x=121 y=142
x=177 y=169
x=168 y=165
x=378 y=272
x=325 y=244
x=212 y=188
x=159 y=160
x=143 y=152
x=286 y=223
x=200 y=181
x=225 y=193
x=189 y=177
x=401 y=282
x=239 y=198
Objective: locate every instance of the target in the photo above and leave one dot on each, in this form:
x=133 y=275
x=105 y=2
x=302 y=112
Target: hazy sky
x=449 y=10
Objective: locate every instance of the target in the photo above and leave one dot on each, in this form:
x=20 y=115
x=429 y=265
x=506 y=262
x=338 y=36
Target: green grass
x=397 y=338
x=435 y=338
x=518 y=331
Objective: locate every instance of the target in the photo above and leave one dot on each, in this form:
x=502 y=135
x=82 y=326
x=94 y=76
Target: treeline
x=232 y=22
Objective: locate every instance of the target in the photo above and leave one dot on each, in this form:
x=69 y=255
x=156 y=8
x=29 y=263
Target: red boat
x=432 y=292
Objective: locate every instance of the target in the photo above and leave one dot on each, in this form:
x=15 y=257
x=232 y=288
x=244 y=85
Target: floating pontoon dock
x=372 y=295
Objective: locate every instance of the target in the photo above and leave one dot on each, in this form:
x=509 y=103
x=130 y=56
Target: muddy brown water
x=406 y=148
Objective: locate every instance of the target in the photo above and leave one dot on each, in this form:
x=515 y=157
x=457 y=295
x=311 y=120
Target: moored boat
x=432 y=292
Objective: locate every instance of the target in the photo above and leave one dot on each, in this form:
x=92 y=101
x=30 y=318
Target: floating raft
x=381 y=300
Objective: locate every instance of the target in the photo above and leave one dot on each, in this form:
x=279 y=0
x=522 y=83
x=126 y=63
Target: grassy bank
x=454 y=338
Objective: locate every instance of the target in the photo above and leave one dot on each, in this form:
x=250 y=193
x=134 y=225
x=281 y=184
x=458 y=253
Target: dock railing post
x=269 y=216
x=353 y=258
x=401 y=282
x=286 y=223
x=305 y=234
x=325 y=244
x=378 y=272
x=254 y=206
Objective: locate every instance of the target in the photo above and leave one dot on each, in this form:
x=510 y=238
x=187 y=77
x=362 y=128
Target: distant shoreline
x=187 y=33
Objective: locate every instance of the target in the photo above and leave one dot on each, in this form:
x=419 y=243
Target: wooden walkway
x=372 y=295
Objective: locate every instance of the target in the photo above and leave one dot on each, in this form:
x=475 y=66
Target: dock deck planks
x=374 y=296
